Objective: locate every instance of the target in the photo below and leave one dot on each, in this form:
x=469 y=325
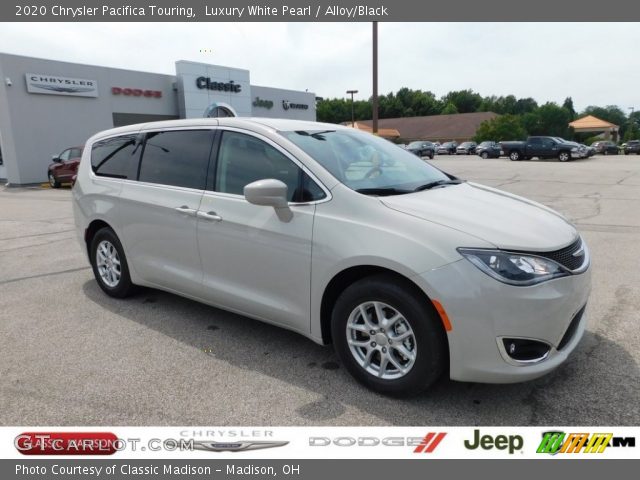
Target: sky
x=594 y=63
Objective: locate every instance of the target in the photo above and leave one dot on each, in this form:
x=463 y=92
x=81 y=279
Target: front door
x=257 y=261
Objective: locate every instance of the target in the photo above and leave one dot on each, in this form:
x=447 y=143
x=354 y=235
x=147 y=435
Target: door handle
x=213 y=216
x=186 y=210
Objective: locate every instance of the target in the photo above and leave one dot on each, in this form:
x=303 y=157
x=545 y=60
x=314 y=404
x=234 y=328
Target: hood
x=500 y=218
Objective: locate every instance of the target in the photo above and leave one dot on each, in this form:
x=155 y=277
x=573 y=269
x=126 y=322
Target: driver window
x=64 y=156
x=243 y=159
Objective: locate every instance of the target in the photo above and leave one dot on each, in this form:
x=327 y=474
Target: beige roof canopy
x=593 y=124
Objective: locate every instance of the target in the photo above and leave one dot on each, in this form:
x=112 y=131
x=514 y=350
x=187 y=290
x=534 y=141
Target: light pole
x=353 y=120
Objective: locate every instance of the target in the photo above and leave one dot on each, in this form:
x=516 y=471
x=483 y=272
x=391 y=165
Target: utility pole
x=374 y=98
x=353 y=119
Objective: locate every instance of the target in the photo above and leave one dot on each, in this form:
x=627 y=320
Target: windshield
x=417 y=144
x=362 y=161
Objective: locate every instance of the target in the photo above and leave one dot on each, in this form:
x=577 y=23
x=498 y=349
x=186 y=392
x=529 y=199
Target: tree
x=632 y=132
x=568 y=104
x=465 y=101
x=335 y=110
x=553 y=120
x=449 y=109
x=507 y=105
x=525 y=105
x=531 y=123
x=504 y=127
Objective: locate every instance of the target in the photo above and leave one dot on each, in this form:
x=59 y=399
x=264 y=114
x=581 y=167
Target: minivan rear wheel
x=109 y=264
x=387 y=336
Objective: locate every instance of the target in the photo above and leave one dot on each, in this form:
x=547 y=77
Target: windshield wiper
x=382 y=191
x=316 y=135
x=430 y=185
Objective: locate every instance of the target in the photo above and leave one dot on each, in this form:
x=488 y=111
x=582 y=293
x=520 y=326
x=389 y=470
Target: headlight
x=514 y=268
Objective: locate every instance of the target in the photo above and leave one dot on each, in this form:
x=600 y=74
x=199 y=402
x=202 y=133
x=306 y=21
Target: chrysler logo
x=235 y=446
x=58 y=88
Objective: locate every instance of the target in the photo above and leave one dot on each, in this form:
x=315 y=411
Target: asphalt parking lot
x=70 y=355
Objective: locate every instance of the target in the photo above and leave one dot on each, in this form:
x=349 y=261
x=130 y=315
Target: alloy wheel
x=381 y=340
x=108 y=263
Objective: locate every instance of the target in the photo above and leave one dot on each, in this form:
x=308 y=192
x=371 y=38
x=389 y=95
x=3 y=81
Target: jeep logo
x=500 y=442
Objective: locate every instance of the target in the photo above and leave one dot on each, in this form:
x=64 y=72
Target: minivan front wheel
x=109 y=264
x=387 y=337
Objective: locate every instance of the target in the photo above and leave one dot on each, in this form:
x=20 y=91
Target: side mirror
x=55 y=158
x=269 y=192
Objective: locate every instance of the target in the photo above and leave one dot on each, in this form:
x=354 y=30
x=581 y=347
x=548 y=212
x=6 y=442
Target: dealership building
x=47 y=106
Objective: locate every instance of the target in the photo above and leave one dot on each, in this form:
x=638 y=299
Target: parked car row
x=605 y=147
x=533 y=147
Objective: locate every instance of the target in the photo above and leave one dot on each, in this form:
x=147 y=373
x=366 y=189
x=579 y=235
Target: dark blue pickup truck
x=540 y=147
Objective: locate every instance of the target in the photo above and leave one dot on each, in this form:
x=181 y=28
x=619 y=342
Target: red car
x=64 y=166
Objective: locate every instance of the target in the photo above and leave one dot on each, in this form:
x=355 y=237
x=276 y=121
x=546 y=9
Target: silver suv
x=340 y=236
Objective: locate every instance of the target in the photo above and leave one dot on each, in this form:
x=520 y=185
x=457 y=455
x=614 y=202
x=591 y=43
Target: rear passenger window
x=116 y=157
x=179 y=158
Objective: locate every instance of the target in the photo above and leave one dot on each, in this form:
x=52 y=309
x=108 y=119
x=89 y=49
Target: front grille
x=565 y=256
x=571 y=330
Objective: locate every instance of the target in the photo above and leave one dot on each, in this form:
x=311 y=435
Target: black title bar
x=320 y=11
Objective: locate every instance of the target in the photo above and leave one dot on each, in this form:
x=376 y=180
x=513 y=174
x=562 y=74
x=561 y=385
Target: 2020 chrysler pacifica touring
x=341 y=236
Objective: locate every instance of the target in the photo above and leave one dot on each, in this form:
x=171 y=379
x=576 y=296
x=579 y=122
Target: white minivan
x=342 y=237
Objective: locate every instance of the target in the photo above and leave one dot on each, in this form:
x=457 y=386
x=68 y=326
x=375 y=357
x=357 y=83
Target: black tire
x=564 y=156
x=484 y=155
x=430 y=338
x=124 y=287
x=514 y=155
x=431 y=155
x=53 y=182
x=605 y=152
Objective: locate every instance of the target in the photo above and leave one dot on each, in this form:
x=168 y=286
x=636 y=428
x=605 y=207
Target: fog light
x=525 y=350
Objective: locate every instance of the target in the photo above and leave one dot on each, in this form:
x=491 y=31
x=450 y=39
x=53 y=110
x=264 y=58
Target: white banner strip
x=417 y=443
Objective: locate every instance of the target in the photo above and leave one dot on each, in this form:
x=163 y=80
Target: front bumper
x=483 y=311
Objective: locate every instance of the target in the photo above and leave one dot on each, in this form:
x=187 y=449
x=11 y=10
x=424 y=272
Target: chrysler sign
x=54 y=85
